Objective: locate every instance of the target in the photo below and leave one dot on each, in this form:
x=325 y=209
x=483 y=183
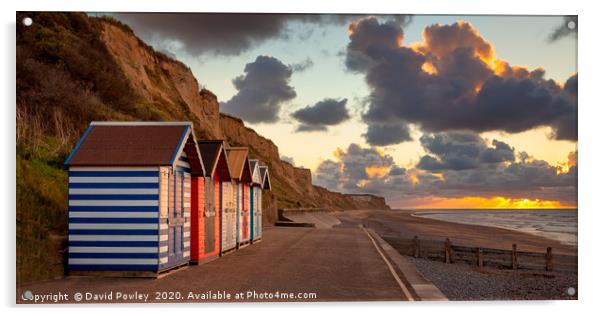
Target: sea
x=556 y=224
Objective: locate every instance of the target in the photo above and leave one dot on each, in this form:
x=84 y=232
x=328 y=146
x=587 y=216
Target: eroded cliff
x=160 y=79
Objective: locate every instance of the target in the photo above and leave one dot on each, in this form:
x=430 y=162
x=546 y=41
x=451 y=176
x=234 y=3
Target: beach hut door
x=176 y=217
x=252 y=217
x=209 y=216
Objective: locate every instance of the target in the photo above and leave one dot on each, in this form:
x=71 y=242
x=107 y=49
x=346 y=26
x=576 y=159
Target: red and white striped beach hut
x=242 y=178
x=207 y=201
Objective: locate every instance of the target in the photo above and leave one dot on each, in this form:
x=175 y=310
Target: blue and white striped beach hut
x=129 y=196
x=254 y=198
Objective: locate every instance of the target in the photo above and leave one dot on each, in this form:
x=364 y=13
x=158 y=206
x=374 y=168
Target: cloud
x=379 y=134
x=223 y=33
x=329 y=174
x=452 y=80
x=461 y=151
x=302 y=66
x=397 y=171
x=217 y=33
x=261 y=91
x=319 y=116
x=354 y=166
x=468 y=166
x=457 y=165
x=563 y=29
x=288 y=159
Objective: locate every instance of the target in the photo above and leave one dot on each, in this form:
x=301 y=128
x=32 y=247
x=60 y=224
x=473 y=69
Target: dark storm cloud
x=563 y=30
x=567 y=125
x=461 y=151
x=224 y=33
x=261 y=91
x=451 y=81
x=499 y=153
x=379 y=134
x=219 y=33
x=493 y=171
x=397 y=171
x=319 y=116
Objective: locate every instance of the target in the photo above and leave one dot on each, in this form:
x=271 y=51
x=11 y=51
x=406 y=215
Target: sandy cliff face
x=159 y=79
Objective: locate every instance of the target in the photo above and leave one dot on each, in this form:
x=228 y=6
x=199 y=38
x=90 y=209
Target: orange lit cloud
x=565 y=167
x=412 y=176
x=436 y=45
x=572 y=159
x=376 y=171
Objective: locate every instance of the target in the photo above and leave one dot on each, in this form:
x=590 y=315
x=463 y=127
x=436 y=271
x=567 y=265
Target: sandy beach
x=403 y=224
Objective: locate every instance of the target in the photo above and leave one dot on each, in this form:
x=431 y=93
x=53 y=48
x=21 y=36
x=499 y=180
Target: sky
x=427 y=111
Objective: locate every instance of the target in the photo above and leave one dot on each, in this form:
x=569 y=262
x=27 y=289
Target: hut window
x=179 y=193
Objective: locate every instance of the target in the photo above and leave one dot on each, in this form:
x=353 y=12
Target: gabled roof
x=254 y=164
x=265 y=178
x=215 y=158
x=239 y=163
x=136 y=144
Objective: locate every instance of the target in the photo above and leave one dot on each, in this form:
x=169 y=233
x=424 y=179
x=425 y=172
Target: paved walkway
x=338 y=264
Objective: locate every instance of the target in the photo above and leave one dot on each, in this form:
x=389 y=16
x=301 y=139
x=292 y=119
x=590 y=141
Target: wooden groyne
x=446 y=251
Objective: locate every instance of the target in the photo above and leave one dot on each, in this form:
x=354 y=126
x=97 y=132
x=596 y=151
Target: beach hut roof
x=136 y=144
x=238 y=159
x=254 y=164
x=265 y=178
x=215 y=158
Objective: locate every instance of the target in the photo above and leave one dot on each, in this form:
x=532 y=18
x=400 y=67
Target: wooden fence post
x=480 y=257
x=447 y=250
x=514 y=257
x=549 y=265
x=416 y=246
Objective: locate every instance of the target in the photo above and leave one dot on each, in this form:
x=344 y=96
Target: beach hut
x=254 y=189
x=129 y=196
x=265 y=185
x=242 y=178
x=265 y=178
x=207 y=199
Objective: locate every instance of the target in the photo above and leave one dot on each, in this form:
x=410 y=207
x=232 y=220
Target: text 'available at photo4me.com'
x=162 y=296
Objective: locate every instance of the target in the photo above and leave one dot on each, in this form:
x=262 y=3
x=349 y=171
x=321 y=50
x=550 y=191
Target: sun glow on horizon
x=497 y=202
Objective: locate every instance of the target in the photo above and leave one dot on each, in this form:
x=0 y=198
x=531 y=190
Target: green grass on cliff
x=41 y=187
x=65 y=78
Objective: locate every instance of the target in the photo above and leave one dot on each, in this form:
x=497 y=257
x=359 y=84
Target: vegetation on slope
x=65 y=79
